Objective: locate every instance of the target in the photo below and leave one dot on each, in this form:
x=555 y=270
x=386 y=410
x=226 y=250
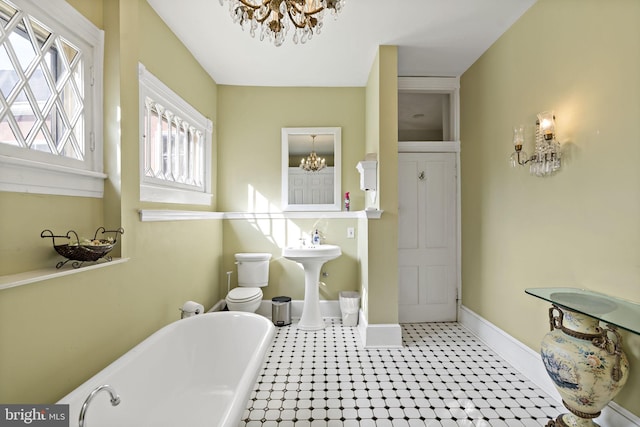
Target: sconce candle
x=518 y=142
x=547 y=125
x=518 y=137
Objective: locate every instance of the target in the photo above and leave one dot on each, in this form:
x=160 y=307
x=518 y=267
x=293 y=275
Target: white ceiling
x=434 y=38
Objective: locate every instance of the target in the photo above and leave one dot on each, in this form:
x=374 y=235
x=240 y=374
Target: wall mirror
x=311 y=189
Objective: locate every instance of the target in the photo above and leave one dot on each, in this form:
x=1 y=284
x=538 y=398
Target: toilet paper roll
x=191 y=308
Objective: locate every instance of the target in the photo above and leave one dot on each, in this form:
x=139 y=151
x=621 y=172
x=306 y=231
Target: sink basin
x=309 y=253
x=311 y=258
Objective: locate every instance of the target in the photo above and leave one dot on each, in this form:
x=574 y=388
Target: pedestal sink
x=311 y=258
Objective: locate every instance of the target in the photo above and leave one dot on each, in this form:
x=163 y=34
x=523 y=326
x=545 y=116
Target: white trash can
x=349 y=306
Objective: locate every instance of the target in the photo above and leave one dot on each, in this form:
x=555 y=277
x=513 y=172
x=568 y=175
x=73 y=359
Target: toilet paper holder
x=190 y=308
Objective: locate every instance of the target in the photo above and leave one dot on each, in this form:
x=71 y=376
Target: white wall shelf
x=20 y=279
x=147 y=215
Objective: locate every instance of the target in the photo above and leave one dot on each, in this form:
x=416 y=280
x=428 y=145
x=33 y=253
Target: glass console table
x=584 y=358
x=614 y=311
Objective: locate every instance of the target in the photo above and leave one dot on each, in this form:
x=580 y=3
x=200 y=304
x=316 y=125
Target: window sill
x=27 y=176
x=160 y=194
x=20 y=279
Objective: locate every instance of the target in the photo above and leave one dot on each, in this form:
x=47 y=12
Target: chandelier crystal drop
x=313 y=163
x=272 y=19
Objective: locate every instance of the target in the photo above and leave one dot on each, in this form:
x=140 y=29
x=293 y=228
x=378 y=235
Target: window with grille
x=50 y=99
x=175 y=146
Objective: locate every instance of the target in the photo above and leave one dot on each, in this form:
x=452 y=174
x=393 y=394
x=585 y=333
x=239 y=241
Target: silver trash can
x=281 y=311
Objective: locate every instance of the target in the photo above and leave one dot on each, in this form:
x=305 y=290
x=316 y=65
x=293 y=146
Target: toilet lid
x=244 y=294
x=254 y=256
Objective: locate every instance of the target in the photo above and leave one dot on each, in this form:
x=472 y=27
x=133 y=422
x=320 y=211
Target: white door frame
x=450 y=85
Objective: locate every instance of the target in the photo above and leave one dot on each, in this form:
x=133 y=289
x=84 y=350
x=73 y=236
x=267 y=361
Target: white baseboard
x=529 y=363
x=521 y=357
x=373 y=336
x=379 y=335
x=219 y=306
x=327 y=308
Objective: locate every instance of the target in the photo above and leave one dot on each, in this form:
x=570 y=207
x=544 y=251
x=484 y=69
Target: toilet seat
x=242 y=294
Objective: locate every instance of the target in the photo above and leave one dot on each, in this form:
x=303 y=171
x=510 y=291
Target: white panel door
x=320 y=187
x=310 y=187
x=297 y=184
x=427 y=241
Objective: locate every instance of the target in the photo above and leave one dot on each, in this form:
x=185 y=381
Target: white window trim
x=150 y=190
x=27 y=172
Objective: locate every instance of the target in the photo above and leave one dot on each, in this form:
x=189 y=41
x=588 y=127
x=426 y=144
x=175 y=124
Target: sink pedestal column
x=311 y=258
x=311 y=320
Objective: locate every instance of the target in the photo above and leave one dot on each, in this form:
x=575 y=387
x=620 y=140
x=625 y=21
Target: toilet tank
x=253 y=269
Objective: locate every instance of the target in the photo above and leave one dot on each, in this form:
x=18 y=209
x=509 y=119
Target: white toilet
x=253 y=274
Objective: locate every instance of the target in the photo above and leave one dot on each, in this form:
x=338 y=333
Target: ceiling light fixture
x=274 y=18
x=313 y=163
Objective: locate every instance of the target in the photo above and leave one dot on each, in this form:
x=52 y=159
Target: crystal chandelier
x=274 y=18
x=313 y=163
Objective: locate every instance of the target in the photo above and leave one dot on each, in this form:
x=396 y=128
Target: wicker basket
x=81 y=252
x=84 y=252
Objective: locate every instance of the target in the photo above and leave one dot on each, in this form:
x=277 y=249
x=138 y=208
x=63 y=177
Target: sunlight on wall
x=256 y=202
x=118 y=146
x=280 y=233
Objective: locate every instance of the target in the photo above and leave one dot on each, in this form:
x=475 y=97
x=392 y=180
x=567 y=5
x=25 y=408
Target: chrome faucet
x=115 y=401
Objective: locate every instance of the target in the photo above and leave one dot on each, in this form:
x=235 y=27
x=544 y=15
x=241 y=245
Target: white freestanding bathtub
x=198 y=371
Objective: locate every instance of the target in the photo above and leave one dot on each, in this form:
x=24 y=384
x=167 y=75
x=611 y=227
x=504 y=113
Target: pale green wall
x=581 y=227
x=249 y=162
x=380 y=291
x=372 y=145
x=24 y=216
x=57 y=333
x=93 y=10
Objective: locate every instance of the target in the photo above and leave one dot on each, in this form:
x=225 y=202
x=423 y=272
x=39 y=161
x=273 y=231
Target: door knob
x=421 y=176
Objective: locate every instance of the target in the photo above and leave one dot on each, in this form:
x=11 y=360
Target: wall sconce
x=546 y=158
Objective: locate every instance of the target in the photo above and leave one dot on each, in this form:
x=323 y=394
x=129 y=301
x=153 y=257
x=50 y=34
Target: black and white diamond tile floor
x=443 y=376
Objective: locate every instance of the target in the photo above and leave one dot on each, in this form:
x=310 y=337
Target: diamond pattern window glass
x=51 y=85
x=175 y=144
x=173 y=147
x=41 y=102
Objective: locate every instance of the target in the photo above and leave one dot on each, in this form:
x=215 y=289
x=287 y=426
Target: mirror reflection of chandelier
x=313 y=163
x=274 y=18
